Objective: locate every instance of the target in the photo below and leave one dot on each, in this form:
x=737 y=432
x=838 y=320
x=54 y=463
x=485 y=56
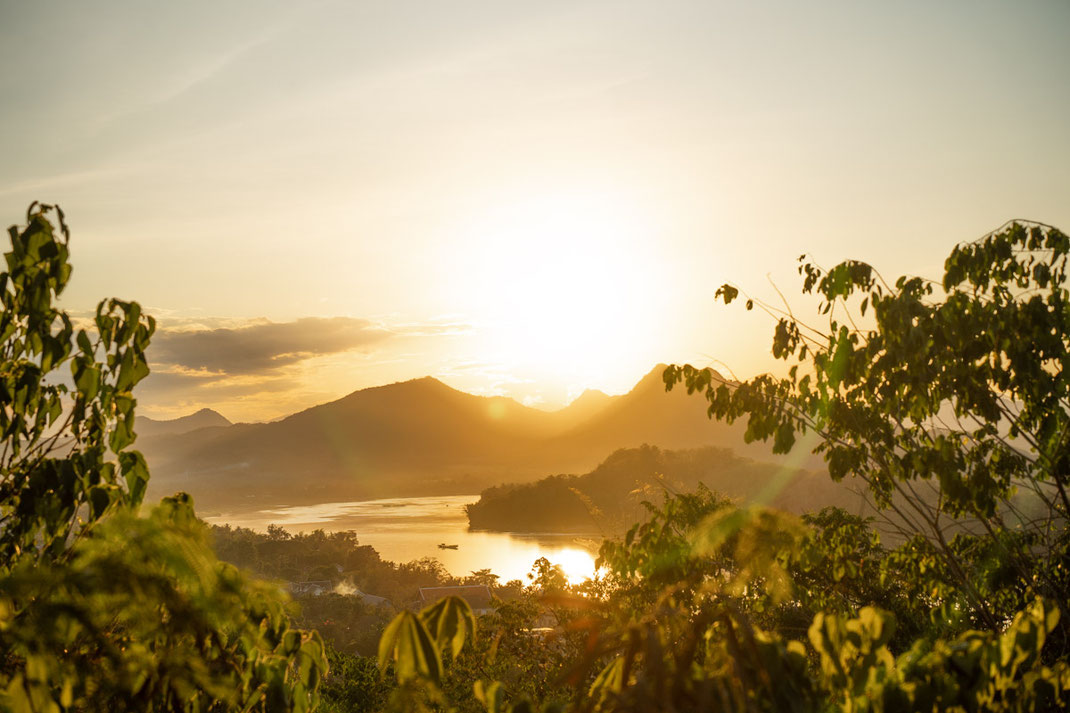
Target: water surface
x=405 y=529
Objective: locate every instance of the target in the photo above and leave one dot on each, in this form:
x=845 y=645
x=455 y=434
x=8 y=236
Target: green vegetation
x=350 y=624
x=968 y=449
x=949 y=404
x=610 y=498
x=703 y=603
x=101 y=609
x=335 y=557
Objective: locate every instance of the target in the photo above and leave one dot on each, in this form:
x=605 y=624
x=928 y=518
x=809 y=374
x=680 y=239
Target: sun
x=577 y=564
x=568 y=283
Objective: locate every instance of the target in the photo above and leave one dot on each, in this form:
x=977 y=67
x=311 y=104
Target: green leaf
x=491 y=694
x=608 y=682
x=136 y=473
x=408 y=644
x=450 y=620
x=84 y=344
x=86 y=378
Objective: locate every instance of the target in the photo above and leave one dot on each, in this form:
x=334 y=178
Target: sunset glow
x=578 y=565
x=564 y=281
x=623 y=356
x=526 y=201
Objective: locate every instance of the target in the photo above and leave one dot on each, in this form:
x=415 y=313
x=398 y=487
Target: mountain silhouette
x=205 y=418
x=584 y=407
x=422 y=437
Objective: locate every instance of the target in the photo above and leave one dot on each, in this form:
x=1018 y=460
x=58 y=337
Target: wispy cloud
x=255 y=369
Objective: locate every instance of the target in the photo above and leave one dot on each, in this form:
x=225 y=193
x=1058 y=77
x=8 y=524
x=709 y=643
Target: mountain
x=422 y=437
x=205 y=418
x=649 y=415
x=589 y=404
x=413 y=436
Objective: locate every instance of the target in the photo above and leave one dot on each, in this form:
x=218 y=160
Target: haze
x=520 y=199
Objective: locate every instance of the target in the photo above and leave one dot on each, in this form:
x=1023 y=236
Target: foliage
x=976 y=671
x=345 y=621
x=101 y=609
x=335 y=557
x=972 y=439
x=48 y=500
x=706 y=605
x=93 y=630
x=699 y=643
x=353 y=683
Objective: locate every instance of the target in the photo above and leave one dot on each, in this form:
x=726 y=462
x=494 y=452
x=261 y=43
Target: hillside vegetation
x=609 y=499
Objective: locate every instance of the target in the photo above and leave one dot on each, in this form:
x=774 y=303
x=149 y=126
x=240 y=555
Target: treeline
x=351 y=627
x=335 y=557
x=610 y=498
x=346 y=620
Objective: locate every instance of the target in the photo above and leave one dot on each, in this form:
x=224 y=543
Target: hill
x=608 y=499
x=585 y=407
x=422 y=437
x=205 y=418
x=648 y=415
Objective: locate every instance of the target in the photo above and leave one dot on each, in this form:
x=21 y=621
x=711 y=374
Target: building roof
x=316 y=587
x=478 y=596
x=374 y=601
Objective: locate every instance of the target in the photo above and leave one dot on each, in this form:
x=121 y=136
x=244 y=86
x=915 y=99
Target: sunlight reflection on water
x=405 y=529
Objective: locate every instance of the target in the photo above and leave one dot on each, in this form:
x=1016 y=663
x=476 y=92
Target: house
x=317 y=588
x=374 y=601
x=313 y=588
x=478 y=596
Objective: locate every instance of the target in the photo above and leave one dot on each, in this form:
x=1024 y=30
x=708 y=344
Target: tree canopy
x=948 y=399
x=100 y=608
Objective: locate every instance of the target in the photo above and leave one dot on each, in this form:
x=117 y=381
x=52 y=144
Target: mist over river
x=405 y=529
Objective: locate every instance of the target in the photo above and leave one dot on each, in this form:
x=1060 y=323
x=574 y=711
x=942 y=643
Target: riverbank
x=609 y=499
x=411 y=529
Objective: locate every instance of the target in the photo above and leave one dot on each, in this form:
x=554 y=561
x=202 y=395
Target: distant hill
x=585 y=407
x=422 y=437
x=205 y=418
x=608 y=499
x=649 y=415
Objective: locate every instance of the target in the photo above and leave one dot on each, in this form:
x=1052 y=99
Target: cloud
x=262 y=347
x=252 y=370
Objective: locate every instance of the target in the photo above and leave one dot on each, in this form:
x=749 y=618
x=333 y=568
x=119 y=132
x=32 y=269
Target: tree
x=101 y=609
x=949 y=400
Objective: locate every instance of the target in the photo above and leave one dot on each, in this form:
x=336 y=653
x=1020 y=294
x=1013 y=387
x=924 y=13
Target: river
x=405 y=529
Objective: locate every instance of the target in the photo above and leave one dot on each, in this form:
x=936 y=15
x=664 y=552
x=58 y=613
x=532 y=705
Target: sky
x=527 y=199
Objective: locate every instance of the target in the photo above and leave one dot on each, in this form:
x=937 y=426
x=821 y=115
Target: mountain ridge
x=423 y=437
x=202 y=418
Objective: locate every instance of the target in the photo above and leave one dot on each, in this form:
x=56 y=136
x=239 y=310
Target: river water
x=405 y=529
